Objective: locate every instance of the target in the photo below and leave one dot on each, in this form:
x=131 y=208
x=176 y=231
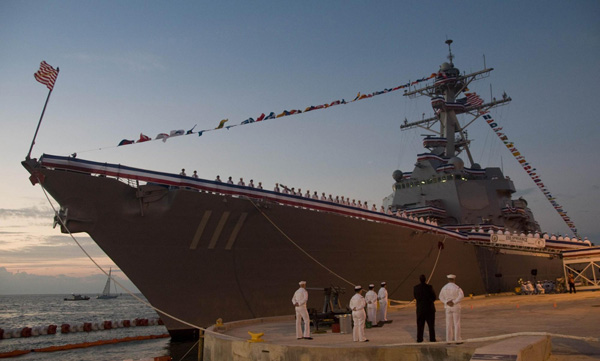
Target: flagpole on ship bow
x=46 y=75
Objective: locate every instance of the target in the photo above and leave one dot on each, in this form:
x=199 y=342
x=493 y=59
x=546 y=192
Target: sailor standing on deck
x=371 y=299
x=382 y=296
x=357 y=305
x=299 y=300
x=451 y=295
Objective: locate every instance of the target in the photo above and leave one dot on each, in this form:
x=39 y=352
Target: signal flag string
x=263 y=117
x=530 y=171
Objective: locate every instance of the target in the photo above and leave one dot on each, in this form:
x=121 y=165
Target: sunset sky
x=131 y=67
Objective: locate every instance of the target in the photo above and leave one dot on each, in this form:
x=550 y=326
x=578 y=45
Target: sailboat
x=106 y=295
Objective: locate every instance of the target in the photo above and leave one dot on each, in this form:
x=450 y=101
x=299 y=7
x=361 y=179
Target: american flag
x=473 y=99
x=46 y=75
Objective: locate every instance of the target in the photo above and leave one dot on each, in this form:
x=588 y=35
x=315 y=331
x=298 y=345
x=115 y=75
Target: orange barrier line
x=82 y=345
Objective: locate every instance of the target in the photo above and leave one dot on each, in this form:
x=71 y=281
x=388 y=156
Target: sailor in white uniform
x=241 y=182
x=323 y=198
x=218 y=179
x=182 y=172
x=357 y=305
x=451 y=295
x=382 y=296
x=371 y=299
x=195 y=175
x=259 y=185
x=251 y=184
x=299 y=300
x=229 y=181
x=276 y=189
x=315 y=195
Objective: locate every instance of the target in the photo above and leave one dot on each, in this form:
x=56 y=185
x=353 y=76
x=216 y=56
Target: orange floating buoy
x=554 y=304
x=517 y=305
x=471 y=306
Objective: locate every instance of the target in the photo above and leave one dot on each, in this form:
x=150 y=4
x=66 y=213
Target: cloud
x=51 y=248
x=25 y=283
x=28 y=212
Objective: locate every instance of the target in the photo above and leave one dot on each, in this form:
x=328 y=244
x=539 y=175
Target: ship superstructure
x=441 y=186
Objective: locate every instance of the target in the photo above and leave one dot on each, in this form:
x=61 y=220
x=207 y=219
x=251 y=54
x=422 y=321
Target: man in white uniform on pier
x=371 y=299
x=299 y=300
x=382 y=296
x=357 y=305
x=451 y=295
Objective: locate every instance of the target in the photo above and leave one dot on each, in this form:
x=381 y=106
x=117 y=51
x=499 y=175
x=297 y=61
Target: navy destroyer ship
x=201 y=249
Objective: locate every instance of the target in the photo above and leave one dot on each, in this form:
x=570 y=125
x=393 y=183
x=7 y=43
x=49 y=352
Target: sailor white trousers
x=383 y=305
x=302 y=314
x=372 y=313
x=358 y=331
x=453 y=324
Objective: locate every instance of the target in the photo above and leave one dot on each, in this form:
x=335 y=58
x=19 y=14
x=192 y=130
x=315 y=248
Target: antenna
x=450 y=56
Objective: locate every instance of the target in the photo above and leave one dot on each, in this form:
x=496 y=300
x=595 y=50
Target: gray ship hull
x=200 y=255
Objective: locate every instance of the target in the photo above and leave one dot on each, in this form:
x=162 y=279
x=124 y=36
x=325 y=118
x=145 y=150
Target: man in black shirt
x=425 y=297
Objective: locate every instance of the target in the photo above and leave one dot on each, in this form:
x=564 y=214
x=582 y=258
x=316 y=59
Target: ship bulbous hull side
x=199 y=256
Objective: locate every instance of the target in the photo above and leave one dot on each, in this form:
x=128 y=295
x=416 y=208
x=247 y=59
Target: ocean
x=19 y=311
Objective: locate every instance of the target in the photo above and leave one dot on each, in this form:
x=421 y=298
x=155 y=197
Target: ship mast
x=448 y=86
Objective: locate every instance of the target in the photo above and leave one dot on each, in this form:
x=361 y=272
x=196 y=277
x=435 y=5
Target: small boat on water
x=106 y=295
x=78 y=298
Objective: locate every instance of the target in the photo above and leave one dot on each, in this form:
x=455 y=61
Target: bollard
x=256 y=337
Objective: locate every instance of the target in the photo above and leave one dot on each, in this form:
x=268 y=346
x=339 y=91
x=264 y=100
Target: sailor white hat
x=383 y=283
x=451 y=276
x=302 y=283
x=371 y=285
x=357 y=287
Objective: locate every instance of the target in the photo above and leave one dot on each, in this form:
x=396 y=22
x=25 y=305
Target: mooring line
x=300 y=248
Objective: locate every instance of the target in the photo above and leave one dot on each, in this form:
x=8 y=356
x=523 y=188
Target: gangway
x=585 y=266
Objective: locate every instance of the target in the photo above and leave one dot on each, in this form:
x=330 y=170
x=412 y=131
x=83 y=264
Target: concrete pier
x=556 y=327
